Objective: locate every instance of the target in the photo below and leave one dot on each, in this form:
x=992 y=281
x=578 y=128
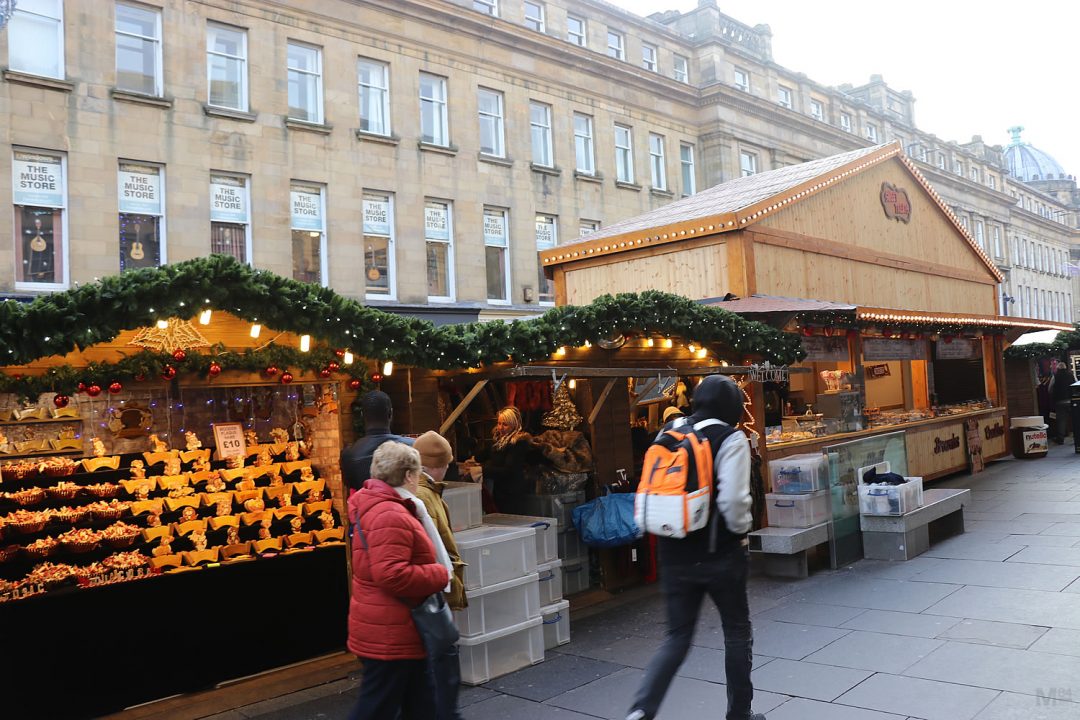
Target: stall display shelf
x=556 y=624
x=40 y=421
x=495 y=554
x=485 y=657
x=550 y=581
x=500 y=606
x=547 y=532
x=774 y=445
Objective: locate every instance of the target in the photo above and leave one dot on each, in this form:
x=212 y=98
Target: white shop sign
x=494 y=230
x=306 y=210
x=37 y=180
x=228 y=200
x=890 y=349
x=376 y=217
x=957 y=349
x=825 y=349
x=139 y=190
x=436 y=223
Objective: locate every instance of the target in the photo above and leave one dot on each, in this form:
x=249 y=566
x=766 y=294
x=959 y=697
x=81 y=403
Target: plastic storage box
x=571 y=549
x=879 y=499
x=559 y=506
x=500 y=606
x=556 y=624
x=484 y=657
x=576 y=577
x=798 y=511
x=495 y=554
x=550 y=582
x=463 y=501
x=799 y=474
x=547 y=532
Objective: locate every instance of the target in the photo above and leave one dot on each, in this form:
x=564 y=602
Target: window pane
x=583 y=144
x=432 y=109
x=136 y=64
x=136 y=20
x=540 y=121
x=40 y=252
x=438 y=269
x=225 y=41
x=496 y=272
x=303 y=96
x=225 y=82
x=575 y=30
x=140 y=241
x=34 y=45
x=306 y=252
x=229 y=239
x=377 y=264
x=374 y=98
x=491 y=127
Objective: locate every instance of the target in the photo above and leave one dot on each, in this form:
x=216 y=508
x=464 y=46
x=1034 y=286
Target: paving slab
x=557 y=674
x=1032 y=607
x=1012 y=574
x=1011 y=706
x=791 y=640
x=803 y=709
x=805 y=679
x=1021 y=671
x=1041 y=540
x=985 y=632
x=974 y=549
x=878 y=652
x=806 y=613
x=1061 y=641
x=875 y=594
x=925 y=699
x=1069 y=556
x=1068 y=529
x=901 y=623
x=502 y=707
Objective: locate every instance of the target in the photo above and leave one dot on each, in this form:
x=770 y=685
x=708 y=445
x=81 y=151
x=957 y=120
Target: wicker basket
x=76 y=516
x=110 y=514
x=105 y=490
x=122 y=542
x=27 y=528
x=81 y=547
x=60 y=471
x=30 y=496
x=62 y=493
x=40 y=553
x=8 y=552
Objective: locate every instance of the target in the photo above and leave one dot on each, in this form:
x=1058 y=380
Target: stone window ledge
x=495 y=160
x=628 y=186
x=365 y=136
x=14 y=76
x=545 y=169
x=303 y=125
x=442 y=149
x=140 y=99
x=212 y=111
x=588 y=177
x=661 y=192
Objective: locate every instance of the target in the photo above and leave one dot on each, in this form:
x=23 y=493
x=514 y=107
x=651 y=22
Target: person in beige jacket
x=436 y=456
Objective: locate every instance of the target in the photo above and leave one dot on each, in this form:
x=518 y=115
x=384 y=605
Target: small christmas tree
x=563 y=414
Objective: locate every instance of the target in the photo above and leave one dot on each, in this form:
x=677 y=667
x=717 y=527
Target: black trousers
x=392 y=689
x=685 y=586
x=446 y=678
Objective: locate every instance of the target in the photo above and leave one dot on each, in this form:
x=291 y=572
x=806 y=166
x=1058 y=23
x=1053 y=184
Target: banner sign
x=376 y=216
x=436 y=223
x=306 y=209
x=890 y=349
x=494 y=230
x=37 y=180
x=825 y=349
x=139 y=190
x=228 y=200
x=958 y=349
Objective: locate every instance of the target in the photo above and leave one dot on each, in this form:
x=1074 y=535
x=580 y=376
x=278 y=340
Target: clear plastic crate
x=798 y=511
x=550 y=582
x=880 y=499
x=560 y=507
x=547 y=532
x=576 y=577
x=571 y=549
x=465 y=505
x=495 y=554
x=485 y=657
x=500 y=606
x=556 y=624
x=797 y=474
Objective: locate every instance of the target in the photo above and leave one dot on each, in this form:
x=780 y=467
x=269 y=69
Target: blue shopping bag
x=607 y=521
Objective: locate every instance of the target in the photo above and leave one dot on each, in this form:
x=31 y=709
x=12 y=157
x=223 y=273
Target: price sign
x=229 y=438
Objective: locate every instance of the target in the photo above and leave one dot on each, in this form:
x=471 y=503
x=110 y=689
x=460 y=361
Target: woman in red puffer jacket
x=394 y=569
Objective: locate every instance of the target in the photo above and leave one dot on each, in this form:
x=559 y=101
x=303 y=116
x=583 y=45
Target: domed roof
x=1027 y=163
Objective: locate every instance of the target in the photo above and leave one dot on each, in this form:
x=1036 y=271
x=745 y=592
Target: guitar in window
x=137 y=252
x=373 y=272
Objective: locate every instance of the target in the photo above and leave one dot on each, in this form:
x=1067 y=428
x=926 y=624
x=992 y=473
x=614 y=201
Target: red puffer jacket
x=395 y=573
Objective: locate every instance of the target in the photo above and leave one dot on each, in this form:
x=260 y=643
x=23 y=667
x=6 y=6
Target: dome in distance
x=1027 y=163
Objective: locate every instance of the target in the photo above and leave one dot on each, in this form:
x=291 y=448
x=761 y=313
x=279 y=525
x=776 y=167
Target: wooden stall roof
x=741 y=202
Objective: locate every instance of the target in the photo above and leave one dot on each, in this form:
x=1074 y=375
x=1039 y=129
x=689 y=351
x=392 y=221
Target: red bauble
x=61 y=401
x=179 y=355
x=141 y=377
x=271 y=370
x=333 y=367
x=355 y=384
x=81 y=387
x=93 y=390
x=376 y=377
x=168 y=372
x=325 y=373
x=115 y=387
x=340 y=353
x=808 y=331
x=214 y=370
x=286 y=377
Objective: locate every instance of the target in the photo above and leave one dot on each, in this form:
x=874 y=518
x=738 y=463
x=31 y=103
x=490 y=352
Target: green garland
x=58 y=323
x=1059 y=348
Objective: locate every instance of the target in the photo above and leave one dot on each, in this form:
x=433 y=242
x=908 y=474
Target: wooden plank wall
x=1020 y=388
x=695 y=272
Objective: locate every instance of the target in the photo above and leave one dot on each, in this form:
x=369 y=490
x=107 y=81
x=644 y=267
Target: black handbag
x=432 y=617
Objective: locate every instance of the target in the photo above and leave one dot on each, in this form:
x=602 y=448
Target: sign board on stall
x=974 y=445
x=1035 y=441
x=893 y=349
x=958 y=349
x=825 y=349
x=229 y=438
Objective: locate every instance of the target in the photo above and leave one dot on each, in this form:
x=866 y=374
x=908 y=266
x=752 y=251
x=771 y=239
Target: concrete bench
x=902 y=537
x=783 y=551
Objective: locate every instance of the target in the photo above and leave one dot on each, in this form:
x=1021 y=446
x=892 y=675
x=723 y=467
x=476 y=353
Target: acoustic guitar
x=373 y=272
x=38 y=243
x=136 y=246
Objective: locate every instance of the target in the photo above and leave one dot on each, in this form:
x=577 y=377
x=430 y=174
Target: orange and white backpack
x=677 y=482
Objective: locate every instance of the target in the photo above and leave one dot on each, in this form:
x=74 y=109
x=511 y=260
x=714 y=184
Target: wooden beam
x=601 y=400
x=462 y=406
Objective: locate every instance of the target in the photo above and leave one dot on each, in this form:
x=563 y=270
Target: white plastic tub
x=495 y=554
x=556 y=624
x=550 y=582
x=879 y=499
x=795 y=474
x=465 y=505
x=561 y=506
x=576 y=577
x=797 y=511
x=547 y=532
x=485 y=657
x=500 y=606
x=571 y=549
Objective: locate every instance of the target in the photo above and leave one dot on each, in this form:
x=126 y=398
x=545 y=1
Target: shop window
x=433 y=122
x=492 y=134
x=648 y=57
x=374 y=79
x=748 y=163
x=783 y=96
x=226 y=66
x=616 y=45
x=379 y=265
x=488 y=7
x=138 y=49
x=439 y=241
x=657 y=162
x=305 y=83
x=547 y=237
x=995 y=234
x=540 y=128
x=534 y=16
x=497 y=254
x=35 y=38
x=230 y=217
x=584 y=151
x=689 y=175
x=624 y=154
x=141 y=193
x=40 y=198
x=681 y=69
x=575 y=31
x=587 y=226
x=308 y=223
x=742 y=79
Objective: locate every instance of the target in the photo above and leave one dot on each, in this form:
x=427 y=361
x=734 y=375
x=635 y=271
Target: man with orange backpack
x=694 y=495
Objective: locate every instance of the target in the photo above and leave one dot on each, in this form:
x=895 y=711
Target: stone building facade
x=417 y=153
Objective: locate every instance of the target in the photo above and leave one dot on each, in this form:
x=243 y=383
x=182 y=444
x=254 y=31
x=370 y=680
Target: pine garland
x=58 y=323
x=1059 y=348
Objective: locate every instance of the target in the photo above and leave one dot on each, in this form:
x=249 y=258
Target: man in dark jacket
x=713 y=561
x=356 y=459
x=1061 y=394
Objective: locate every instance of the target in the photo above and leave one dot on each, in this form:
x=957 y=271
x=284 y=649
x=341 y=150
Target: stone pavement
x=984 y=626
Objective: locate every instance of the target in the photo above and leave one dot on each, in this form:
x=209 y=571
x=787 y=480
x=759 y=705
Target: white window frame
x=689 y=169
x=553 y=222
x=617 y=49
x=163 y=244
x=211 y=27
x=156 y=40
x=488 y=7
x=580 y=39
x=317 y=74
x=817 y=110
x=249 y=244
x=439 y=111
x=980 y=234
x=391 y=243
x=871 y=132
x=742 y=79
x=380 y=92
x=748 y=163
x=587 y=226
x=584 y=145
x=505 y=245
x=451 y=279
x=324 y=265
x=65 y=253
x=540 y=130
x=657 y=162
x=784 y=96
x=495 y=120
x=845 y=121
x=680 y=68
x=20 y=15
x=941 y=161
x=650 y=57
x=973 y=173
x=537 y=22
x=995 y=234
x=991 y=181
x=624 y=154
x=958 y=167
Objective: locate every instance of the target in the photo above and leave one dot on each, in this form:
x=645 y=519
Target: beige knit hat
x=435 y=451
